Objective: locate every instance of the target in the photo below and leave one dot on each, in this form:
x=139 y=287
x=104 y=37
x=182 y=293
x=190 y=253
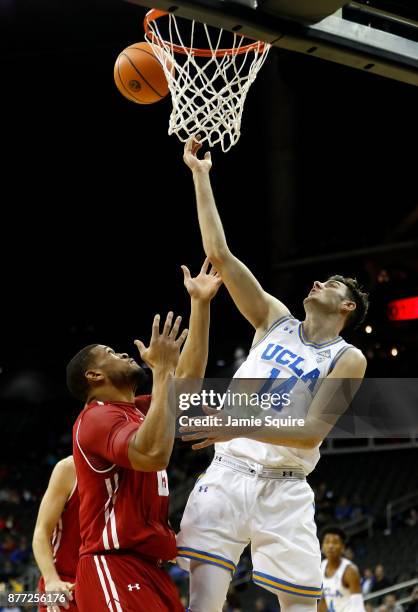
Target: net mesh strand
x=208 y=93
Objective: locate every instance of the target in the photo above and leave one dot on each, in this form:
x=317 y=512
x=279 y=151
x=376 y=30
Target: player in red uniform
x=121 y=455
x=56 y=539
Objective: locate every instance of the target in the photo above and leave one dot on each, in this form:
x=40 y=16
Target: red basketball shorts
x=124 y=583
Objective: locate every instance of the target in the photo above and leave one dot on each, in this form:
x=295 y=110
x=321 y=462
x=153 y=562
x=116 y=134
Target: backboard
x=381 y=41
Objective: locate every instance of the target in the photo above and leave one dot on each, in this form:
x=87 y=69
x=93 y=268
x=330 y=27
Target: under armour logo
x=218 y=458
x=203 y=489
x=136 y=586
x=287 y=474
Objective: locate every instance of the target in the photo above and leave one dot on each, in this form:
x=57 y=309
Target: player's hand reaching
x=59 y=586
x=163 y=352
x=209 y=435
x=190 y=158
x=205 y=285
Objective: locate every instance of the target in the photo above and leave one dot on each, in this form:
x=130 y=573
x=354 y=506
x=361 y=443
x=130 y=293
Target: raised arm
x=258 y=307
x=60 y=485
x=150 y=448
x=202 y=289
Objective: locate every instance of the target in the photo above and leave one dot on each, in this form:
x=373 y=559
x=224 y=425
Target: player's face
x=329 y=294
x=332 y=546
x=119 y=367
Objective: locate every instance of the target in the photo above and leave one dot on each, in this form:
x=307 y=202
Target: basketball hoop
x=208 y=79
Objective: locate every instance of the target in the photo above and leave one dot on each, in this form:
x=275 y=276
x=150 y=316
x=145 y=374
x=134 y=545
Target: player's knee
x=208 y=587
x=293 y=603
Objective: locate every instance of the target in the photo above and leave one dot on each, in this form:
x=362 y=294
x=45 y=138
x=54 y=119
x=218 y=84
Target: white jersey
x=285 y=353
x=336 y=595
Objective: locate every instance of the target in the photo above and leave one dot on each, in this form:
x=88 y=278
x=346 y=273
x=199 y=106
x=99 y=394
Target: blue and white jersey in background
x=284 y=353
x=336 y=595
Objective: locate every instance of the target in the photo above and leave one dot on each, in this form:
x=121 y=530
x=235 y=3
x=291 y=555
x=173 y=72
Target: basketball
x=139 y=75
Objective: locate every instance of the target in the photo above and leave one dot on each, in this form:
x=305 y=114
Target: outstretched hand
x=190 y=158
x=205 y=285
x=163 y=351
x=209 y=435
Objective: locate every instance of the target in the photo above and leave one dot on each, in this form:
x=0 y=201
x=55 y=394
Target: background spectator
x=343 y=509
x=367 y=581
x=391 y=603
x=380 y=581
x=412 y=519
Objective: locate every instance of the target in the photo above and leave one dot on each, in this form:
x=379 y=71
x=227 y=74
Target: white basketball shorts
x=236 y=503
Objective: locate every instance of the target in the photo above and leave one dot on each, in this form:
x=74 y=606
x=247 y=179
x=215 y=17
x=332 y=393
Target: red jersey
x=66 y=537
x=121 y=509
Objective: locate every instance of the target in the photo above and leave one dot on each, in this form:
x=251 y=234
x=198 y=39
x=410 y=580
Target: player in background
x=341 y=578
x=255 y=490
x=121 y=455
x=56 y=538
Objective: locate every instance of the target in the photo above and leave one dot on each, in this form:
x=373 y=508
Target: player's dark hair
x=334 y=530
x=76 y=368
x=361 y=298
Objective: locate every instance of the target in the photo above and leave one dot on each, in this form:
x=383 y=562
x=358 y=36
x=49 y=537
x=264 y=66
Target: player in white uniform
x=341 y=578
x=255 y=490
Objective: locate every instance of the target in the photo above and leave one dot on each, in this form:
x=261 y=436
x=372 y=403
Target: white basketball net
x=208 y=93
